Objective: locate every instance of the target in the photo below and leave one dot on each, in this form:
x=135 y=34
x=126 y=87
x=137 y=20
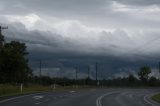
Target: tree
x=131 y=79
x=14 y=64
x=144 y=73
x=153 y=81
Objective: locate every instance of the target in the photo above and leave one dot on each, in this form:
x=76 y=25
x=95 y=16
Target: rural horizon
x=80 y=52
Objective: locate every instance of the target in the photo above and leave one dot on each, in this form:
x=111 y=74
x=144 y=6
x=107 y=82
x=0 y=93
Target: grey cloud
x=139 y=2
x=155 y=73
x=99 y=13
x=13 y=7
x=55 y=43
x=117 y=43
x=38 y=39
x=55 y=6
x=133 y=41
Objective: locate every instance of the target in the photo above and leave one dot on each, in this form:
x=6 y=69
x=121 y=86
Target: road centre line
x=99 y=99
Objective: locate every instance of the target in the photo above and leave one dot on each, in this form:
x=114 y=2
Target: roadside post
x=21 y=87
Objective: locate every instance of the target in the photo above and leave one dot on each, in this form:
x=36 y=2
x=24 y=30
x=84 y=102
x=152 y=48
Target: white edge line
x=13 y=98
x=147 y=98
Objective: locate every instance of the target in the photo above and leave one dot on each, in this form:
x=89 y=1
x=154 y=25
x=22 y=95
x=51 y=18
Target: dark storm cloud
x=116 y=44
x=56 y=43
x=121 y=35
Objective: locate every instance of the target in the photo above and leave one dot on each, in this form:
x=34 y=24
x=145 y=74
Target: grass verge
x=11 y=90
x=156 y=98
x=7 y=90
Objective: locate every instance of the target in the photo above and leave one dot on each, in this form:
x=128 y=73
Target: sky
x=121 y=35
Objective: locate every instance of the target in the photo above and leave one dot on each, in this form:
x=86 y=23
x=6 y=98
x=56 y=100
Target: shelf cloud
x=115 y=29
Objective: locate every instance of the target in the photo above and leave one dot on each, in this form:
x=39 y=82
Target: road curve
x=89 y=97
x=128 y=97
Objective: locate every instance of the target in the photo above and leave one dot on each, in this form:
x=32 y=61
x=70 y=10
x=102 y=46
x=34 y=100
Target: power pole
x=1 y=36
x=76 y=74
x=40 y=66
x=40 y=73
x=96 y=73
x=159 y=66
x=88 y=71
x=88 y=78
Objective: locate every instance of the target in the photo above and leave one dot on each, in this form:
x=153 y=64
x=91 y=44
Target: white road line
x=147 y=98
x=13 y=98
x=99 y=99
x=72 y=91
x=42 y=102
x=38 y=97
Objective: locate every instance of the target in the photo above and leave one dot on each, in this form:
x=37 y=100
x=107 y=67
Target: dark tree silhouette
x=143 y=73
x=13 y=63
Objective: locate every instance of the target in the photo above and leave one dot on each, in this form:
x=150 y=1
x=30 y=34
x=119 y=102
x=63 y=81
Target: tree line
x=130 y=81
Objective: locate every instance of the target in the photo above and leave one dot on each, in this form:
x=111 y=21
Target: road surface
x=90 y=97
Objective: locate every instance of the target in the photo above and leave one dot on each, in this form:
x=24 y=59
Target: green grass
x=14 y=90
x=156 y=98
x=9 y=90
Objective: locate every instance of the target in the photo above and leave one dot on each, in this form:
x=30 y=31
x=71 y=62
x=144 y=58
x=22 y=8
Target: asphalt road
x=90 y=97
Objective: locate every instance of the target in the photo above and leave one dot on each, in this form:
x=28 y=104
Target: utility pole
x=88 y=78
x=1 y=36
x=76 y=75
x=88 y=71
x=40 y=73
x=40 y=66
x=96 y=73
x=159 y=66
